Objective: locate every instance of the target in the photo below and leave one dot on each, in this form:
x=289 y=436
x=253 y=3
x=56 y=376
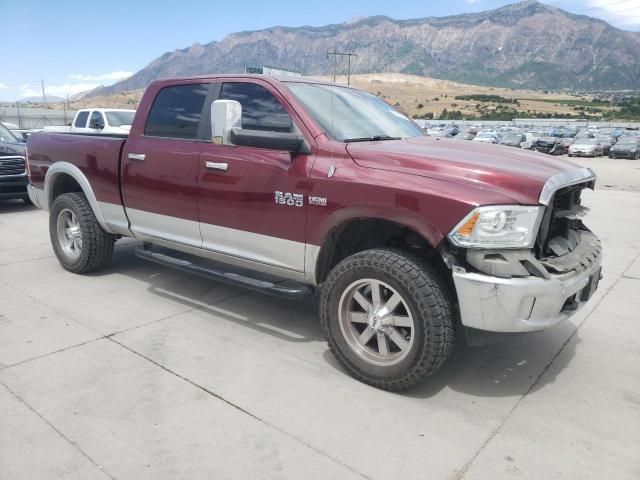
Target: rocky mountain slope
x=527 y=44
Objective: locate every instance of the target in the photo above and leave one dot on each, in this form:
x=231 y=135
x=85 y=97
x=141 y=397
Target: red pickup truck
x=288 y=186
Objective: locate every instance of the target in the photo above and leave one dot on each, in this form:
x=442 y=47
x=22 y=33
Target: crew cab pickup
x=102 y=121
x=290 y=186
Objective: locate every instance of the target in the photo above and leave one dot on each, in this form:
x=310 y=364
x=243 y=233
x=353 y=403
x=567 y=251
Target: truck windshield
x=349 y=115
x=6 y=135
x=118 y=119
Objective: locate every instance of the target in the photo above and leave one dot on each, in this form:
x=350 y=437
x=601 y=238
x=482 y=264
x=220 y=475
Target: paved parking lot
x=144 y=372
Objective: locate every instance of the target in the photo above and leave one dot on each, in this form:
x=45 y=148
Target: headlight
x=499 y=226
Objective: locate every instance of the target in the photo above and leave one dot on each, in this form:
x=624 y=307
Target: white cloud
x=472 y=2
x=82 y=83
x=57 y=90
x=3 y=85
x=621 y=12
x=113 y=76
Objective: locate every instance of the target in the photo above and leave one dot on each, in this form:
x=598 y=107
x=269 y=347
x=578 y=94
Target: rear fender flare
x=66 y=168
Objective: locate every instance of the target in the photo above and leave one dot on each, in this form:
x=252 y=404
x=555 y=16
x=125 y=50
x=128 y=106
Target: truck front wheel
x=78 y=240
x=387 y=317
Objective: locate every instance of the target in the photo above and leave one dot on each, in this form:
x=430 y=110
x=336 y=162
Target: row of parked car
x=571 y=140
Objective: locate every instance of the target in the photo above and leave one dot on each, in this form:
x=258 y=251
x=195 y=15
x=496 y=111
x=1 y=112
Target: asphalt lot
x=143 y=372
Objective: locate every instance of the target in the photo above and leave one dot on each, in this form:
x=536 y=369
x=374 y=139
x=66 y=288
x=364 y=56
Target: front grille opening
x=561 y=218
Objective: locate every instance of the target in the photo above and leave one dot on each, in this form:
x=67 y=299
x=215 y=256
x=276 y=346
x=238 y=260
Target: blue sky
x=77 y=45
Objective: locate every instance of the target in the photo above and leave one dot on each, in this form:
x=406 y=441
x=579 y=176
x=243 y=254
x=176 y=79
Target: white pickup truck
x=98 y=120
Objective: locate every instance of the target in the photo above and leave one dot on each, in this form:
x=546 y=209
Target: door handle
x=136 y=156
x=217 y=166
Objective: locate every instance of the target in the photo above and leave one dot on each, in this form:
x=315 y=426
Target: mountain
x=527 y=44
x=85 y=94
x=49 y=99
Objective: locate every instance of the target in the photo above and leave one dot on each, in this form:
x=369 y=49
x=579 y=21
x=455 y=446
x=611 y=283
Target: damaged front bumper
x=529 y=303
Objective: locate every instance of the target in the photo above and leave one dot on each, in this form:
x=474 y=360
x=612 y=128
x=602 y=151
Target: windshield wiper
x=373 y=138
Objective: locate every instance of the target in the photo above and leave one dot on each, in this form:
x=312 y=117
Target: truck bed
x=97 y=157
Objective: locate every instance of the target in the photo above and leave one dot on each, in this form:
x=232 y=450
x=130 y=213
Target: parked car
x=586 y=147
x=468 y=134
x=626 y=148
x=551 y=145
x=486 y=137
x=566 y=143
x=530 y=139
x=607 y=142
x=452 y=130
x=13 y=173
x=98 y=120
x=403 y=235
x=513 y=139
x=437 y=132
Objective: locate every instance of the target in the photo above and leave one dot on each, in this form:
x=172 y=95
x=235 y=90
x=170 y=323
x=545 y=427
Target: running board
x=284 y=288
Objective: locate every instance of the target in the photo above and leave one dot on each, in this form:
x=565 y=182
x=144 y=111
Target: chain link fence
x=28 y=118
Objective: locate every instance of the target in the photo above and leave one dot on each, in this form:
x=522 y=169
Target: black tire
x=427 y=300
x=96 y=244
x=27 y=201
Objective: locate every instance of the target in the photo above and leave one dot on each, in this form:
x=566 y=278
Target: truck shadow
x=505 y=365
x=288 y=320
x=15 y=206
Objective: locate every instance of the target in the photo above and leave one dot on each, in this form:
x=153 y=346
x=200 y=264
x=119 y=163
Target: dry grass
x=408 y=91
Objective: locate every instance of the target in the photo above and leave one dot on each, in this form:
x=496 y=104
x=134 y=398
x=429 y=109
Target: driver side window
x=260 y=109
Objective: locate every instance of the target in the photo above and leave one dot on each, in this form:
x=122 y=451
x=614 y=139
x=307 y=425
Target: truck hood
x=517 y=174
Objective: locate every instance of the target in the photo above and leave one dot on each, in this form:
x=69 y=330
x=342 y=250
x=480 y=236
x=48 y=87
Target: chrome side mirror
x=225 y=115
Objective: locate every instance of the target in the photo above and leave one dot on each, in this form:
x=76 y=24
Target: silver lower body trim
x=264 y=253
x=37 y=197
x=115 y=218
x=518 y=304
x=256 y=247
x=173 y=229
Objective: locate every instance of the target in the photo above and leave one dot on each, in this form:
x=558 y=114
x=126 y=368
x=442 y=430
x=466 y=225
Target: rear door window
x=260 y=109
x=176 y=111
x=81 y=120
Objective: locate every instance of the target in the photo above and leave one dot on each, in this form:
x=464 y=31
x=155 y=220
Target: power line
x=342 y=55
x=602 y=7
x=618 y=12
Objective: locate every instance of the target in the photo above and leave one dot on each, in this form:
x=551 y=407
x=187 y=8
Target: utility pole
x=44 y=106
x=335 y=54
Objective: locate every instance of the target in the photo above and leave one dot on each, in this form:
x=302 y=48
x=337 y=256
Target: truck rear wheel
x=387 y=317
x=79 y=242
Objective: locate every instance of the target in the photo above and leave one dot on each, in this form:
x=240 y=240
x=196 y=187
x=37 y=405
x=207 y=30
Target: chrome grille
x=12 y=166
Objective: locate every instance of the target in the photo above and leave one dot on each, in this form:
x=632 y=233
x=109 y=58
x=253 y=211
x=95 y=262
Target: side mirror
x=226 y=129
x=225 y=115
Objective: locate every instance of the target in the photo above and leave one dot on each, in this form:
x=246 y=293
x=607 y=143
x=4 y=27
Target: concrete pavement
x=144 y=372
